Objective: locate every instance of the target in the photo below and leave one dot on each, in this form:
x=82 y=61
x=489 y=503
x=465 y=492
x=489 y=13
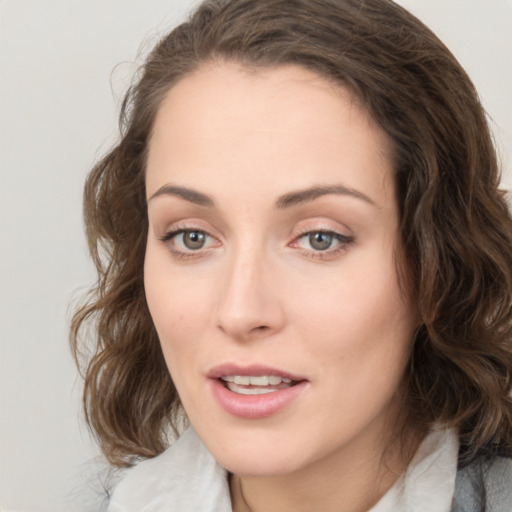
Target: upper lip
x=255 y=370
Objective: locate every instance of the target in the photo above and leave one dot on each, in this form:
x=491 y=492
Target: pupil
x=320 y=241
x=194 y=240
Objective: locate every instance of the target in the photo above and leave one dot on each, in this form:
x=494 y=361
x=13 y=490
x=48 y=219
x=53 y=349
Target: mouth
x=254 y=392
x=256 y=384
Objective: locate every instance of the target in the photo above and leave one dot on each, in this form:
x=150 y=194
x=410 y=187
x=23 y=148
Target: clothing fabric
x=484 y=486
x=428 y=485
x=186 y=478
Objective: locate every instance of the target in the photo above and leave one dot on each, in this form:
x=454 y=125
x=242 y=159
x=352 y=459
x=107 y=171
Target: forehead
x=235 y=121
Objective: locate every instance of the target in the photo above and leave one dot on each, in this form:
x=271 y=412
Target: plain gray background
x=64 y=66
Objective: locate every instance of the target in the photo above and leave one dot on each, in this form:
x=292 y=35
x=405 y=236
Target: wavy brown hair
x=456 y=229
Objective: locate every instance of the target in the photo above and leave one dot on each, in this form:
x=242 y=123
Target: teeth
x=260 y=380
x=249 y=391
x=255 y=384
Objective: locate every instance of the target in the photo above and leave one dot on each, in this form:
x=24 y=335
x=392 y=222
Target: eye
x=320 y=240
x=193 y=240
x=322 y=243
x=183 y=242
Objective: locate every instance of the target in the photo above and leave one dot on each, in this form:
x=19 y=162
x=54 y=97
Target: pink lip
x=253 y=406
x=256 y=370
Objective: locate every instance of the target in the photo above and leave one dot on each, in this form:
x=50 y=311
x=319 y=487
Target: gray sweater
x=484 y=486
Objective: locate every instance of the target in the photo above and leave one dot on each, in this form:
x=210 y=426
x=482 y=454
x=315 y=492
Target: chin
x=258 y=464
x=256 y=451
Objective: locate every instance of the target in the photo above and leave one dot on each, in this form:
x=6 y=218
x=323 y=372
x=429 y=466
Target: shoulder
x=183 y=478
x=485 y=485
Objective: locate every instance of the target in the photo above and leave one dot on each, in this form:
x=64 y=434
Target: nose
x=250 y=305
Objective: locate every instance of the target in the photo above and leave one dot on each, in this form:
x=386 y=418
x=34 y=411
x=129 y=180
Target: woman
x=303 y=252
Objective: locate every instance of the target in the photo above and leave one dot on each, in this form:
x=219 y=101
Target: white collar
x=428 y=485
x=187 y=478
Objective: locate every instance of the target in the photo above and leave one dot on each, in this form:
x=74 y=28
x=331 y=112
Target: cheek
x=364 y=296
x=362 y=330
x=178 y=310
x=178 y=306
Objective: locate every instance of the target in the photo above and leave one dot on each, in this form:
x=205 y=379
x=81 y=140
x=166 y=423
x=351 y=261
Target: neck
x=346 y=481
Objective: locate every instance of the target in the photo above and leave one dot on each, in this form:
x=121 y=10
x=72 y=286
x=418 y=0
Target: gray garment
x=484 y=486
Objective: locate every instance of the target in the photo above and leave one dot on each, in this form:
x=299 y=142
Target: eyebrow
x=310 y=194
x=188 y=194
x=285 y=201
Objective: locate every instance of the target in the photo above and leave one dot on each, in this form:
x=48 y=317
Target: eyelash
x=180 y=254
x=343 y=243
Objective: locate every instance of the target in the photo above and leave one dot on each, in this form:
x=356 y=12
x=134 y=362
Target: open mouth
x=256 y=384
x=254 y=392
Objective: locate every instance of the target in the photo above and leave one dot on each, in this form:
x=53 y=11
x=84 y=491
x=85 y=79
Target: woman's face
x=270 y=267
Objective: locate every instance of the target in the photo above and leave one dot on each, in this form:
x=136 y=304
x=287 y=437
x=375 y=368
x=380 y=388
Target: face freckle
x=290 y=184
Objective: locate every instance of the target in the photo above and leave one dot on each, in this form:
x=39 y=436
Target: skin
x=258 y=292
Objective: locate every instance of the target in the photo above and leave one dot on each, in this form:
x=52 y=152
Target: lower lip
x=255 y=406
